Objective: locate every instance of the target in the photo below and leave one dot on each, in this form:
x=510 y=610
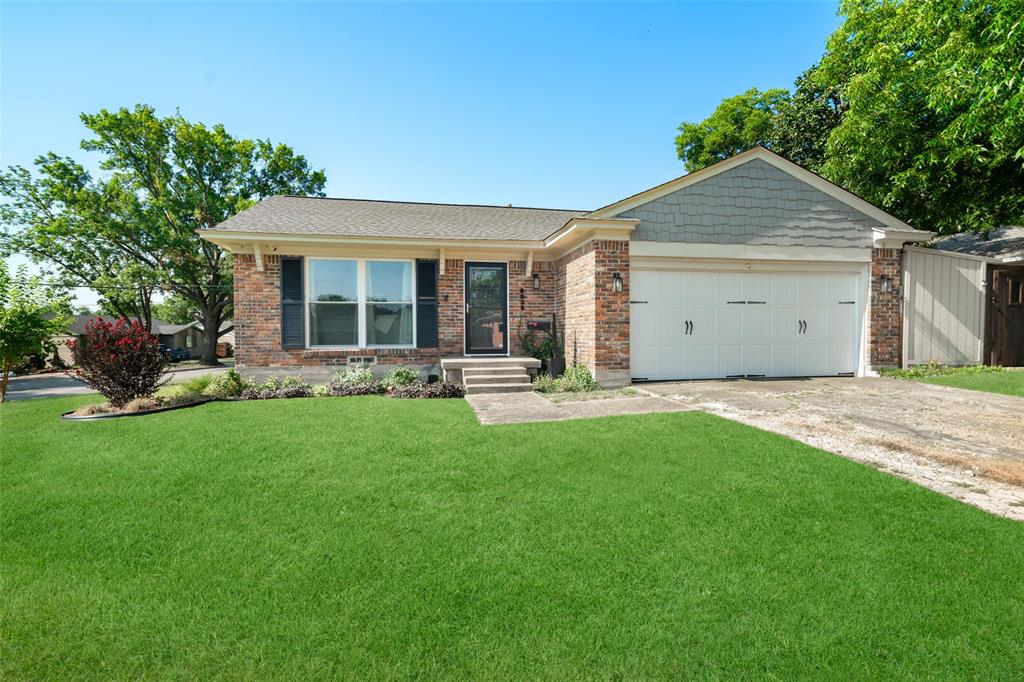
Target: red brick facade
x=258 y=316
x=885 y=335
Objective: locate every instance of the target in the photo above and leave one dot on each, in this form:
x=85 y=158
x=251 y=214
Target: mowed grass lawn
x=376 y=538
x=1008 y=383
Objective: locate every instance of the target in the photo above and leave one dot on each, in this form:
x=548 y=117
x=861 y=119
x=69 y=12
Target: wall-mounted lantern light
x=617 y=282
x=536 y=282
x=885 y=284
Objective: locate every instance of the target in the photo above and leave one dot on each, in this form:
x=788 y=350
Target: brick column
x=886 y=312
x=595 y=317
x=611 y=314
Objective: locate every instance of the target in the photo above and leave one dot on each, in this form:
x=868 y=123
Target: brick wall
x=885 y=335
x=595 y=318
x=258 y=318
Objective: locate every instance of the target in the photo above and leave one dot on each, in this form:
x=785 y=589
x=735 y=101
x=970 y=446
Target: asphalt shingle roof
x=1006 y=243
x=370 y=218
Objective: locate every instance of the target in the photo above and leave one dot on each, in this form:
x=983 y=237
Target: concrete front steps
x=491 y=375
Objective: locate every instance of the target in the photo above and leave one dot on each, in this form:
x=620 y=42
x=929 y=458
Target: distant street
x=58 y=385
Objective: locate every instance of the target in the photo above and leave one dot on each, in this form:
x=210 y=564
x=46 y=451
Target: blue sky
x=557 y=105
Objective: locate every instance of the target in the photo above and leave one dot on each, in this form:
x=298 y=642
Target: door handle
x=689 y=327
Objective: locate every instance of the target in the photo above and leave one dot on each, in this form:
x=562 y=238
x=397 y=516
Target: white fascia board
x=229 y=238
x=953 y=254
x=581 y=230
x=886 y=238
x=748 y=252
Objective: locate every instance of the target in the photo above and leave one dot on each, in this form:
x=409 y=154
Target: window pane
x=388 y=324
x=332 y=280
x=333 y=324
x=388 y=281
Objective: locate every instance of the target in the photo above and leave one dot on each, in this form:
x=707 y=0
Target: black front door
x=487 y=308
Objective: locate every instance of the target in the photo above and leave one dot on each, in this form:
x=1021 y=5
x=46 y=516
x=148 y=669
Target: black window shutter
x=293 y=318
x=426 y=304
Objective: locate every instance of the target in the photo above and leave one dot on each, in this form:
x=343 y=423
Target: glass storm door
x=487 y=308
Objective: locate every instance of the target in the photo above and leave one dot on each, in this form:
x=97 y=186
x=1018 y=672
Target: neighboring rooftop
x=1004 y=243
x=371 y=218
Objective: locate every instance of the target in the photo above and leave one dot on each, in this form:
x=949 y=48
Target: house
x=188 y=336
x=752 y=267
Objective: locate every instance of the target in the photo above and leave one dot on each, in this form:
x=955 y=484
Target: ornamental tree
x=31 y=313
x=121 y=360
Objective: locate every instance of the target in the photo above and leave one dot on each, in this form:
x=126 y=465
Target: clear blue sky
x=556 y=105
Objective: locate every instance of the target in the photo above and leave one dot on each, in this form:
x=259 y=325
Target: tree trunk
x=3 y=381
x=211 y=333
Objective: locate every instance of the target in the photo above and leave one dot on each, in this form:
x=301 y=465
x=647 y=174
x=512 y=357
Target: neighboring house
x=751 y=267
x=188 y=336
x=965 y=299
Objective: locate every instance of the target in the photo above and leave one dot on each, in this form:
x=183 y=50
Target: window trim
x=360 y=302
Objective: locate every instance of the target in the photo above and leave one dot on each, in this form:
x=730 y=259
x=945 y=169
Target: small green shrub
x=230 y=384
x=439 y=390
x=576 y=379
x=545 y=384
x=274 y=387
x=321 y=391
x=353 y=375
x=934 y=369
x=400 y=376
x=196 y=385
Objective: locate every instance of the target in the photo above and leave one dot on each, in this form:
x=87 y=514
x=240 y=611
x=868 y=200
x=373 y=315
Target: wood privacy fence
x=944 y=307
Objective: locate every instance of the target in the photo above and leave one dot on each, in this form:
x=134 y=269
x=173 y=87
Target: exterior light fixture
x=617 y=282
x=885 y=284
x=536 y=282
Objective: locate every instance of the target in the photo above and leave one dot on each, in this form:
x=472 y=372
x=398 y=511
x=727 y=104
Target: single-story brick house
x=751 y=267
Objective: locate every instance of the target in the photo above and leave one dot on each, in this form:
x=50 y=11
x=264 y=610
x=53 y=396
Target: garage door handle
x=638 y=301
x=740 y=302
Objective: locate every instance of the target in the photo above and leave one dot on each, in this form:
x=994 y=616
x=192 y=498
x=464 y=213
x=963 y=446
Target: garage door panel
x=785 y=359
x=730 y=287
x=801 y=329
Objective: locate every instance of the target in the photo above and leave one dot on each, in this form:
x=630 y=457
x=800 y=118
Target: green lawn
x=1007 y=383
x=370 y=537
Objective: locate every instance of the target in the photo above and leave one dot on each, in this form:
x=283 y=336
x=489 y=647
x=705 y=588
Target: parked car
x=176 y=354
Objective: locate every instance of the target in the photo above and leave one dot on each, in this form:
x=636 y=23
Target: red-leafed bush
x=121 y=360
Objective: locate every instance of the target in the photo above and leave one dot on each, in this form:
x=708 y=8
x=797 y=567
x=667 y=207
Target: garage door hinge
x=847 y=302
x=631 y=302
x=739 y=302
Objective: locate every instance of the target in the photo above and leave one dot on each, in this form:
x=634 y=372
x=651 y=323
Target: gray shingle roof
x=1006 y=243
x=369 y=218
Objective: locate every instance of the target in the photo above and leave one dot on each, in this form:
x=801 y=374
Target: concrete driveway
x=965 y=444
x=59 y=385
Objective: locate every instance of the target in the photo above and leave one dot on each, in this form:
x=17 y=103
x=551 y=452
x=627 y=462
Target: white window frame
x=360 y=302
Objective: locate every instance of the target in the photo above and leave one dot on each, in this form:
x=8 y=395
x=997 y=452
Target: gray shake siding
x=754 y=203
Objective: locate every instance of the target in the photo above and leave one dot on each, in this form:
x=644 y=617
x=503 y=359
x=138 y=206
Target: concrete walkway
x=517 y=408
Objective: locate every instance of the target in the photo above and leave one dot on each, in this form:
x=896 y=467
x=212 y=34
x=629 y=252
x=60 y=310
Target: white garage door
x=710 y=324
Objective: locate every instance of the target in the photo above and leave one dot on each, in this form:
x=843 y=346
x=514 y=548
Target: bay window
x=360 y=303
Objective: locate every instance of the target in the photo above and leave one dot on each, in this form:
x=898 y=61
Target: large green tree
x=736 y=125
x=165 y=179
x=934 y=125
x=917 y=106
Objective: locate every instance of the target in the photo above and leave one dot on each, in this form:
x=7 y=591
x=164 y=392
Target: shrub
x=545 y=384
x=229 y=384
x=400 y=376
x=290 y=387
x=121 y=360
x=353 y=375
x=196 y=385
x=577 y=379
x=368 y=388
x=418 y=390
